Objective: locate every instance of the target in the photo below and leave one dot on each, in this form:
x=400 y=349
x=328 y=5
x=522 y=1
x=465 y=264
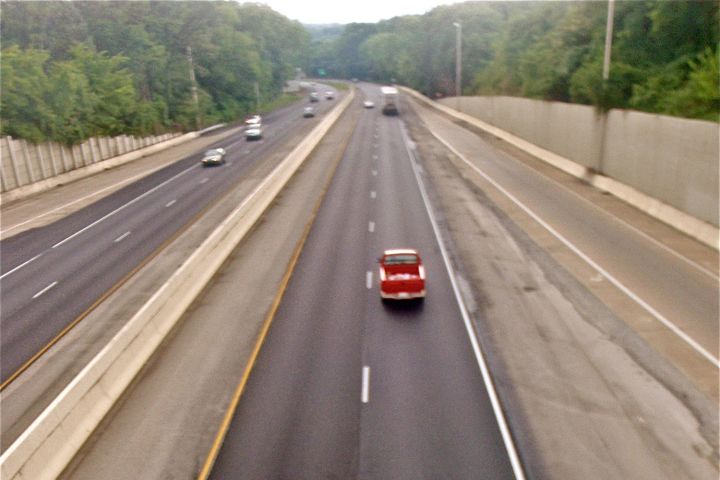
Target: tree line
x=664 y=53
x=74 y=70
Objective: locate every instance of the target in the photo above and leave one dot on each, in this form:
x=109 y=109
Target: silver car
x=214 y=156
x=253 y=132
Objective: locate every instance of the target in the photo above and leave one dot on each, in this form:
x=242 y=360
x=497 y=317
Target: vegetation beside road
x=74 y=70
x=664 y=54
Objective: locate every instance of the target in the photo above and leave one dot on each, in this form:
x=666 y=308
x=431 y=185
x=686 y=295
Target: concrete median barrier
x=52 y=440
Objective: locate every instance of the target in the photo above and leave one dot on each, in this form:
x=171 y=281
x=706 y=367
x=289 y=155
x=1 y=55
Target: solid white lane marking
x=170 y=203
x=122 y=237
x=204 y=180
x=607 y=214
x=374 y=172
x=98 y=192
x=365 y=395
x=368 y=280
x=373 y=194
x=20 y=266
x=45 y=289
x=487 y=378
x=617 y=283
x=371 y=227
x=139 y=197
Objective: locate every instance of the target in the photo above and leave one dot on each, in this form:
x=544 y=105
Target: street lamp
x=458 y=64
x=608 y=39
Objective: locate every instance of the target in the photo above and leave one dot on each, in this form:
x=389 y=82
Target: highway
x=589 y=384
x=346 y=387
x=53 y=275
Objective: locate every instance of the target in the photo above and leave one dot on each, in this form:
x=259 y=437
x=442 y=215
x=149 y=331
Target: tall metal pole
x=458 y=64
x=257 y=97
x=194 y=88
x=608 y=39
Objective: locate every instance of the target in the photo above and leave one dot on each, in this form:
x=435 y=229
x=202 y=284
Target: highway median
x=45 y=448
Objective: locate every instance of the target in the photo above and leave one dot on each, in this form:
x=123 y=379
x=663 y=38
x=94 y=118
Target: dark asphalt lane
x=427 y=413
x=35 y=308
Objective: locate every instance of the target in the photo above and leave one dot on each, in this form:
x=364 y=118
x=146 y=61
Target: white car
x=368 y=104
x=253 y=132
x=214 y=156
x=329 y=95
x=309 y=112
x=253 y=120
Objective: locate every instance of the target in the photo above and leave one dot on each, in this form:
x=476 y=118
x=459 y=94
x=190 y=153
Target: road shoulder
x=581 y=399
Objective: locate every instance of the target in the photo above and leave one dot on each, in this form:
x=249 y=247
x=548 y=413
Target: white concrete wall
x=23 y=163
x=671 y=159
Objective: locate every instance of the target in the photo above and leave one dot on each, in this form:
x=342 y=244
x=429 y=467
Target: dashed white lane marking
x=371 y=227
x=122 y=237
x=368 y=280
x=136 y=199
x=45 y=289
x=365 y=395
x=374 y=172
x=170 y=203
x=373 y=194
x=20 y=266
x=374 y=157
x=204 y=180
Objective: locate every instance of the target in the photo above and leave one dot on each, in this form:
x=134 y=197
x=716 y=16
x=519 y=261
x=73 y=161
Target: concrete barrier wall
x=670 y=159
x=49 y=444
x=23 y=163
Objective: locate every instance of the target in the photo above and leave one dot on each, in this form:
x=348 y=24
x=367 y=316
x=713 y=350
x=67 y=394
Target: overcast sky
x=343 y=11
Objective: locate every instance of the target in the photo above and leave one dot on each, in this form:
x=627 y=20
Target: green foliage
x=71 y=70
x=664 y=53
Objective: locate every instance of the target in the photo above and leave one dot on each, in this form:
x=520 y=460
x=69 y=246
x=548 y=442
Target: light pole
x=458 y=64
x=608 y=39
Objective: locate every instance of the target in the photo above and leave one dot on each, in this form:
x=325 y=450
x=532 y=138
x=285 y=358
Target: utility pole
x=194 y=88
x=608 y=39
x=257 y=97
x=458 y=64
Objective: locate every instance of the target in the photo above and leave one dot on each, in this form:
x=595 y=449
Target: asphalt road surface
x=53 y=274
x=345 y=386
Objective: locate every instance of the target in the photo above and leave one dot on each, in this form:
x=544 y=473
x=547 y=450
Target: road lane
x=79 y=251
x=166 y=423
x=420 y=410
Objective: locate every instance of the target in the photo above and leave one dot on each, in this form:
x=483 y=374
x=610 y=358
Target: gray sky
x=344 y=11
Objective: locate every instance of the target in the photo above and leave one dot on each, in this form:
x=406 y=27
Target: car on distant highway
x=314 y=97
x=368 y=104
x=309 y=112
x=253 y=120
x=329 y=95
x=402 y=275
x=253 y=132
x=214 y=156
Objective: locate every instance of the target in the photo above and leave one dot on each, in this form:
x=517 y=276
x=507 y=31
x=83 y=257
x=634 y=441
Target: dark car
x=214 y=156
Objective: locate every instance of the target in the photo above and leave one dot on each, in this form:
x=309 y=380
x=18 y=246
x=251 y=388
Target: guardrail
x=52 y=440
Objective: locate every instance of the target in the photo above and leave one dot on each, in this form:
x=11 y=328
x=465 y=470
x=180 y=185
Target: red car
x=402 y=275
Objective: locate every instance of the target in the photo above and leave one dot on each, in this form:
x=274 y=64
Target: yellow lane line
x=230 y=413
